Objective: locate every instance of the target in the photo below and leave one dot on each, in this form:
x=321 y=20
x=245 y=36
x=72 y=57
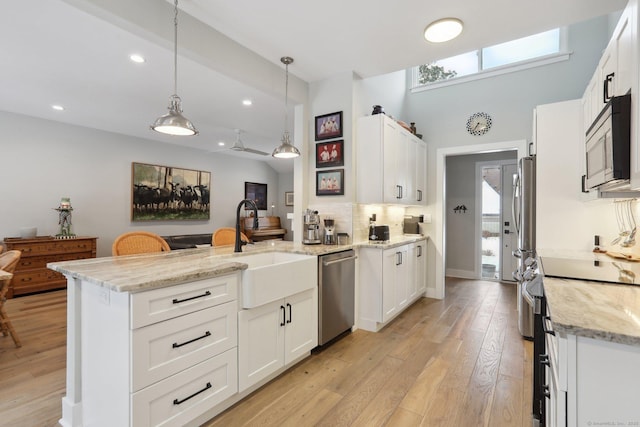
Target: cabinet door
x=301 y=324
x=412 y=273
x=608 y=77
x=623 y=40
x=403 y=276
x=406 y=167
x=421 y=173
x=260 y=342
x=391 y=143
x=389 y=306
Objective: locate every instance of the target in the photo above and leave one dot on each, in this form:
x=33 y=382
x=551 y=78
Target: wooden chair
x=226 y=236
x=139 y=242
x=8 y=262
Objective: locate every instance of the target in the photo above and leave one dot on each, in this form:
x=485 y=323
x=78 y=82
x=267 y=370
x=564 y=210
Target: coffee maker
x=329 y=232
x=311 y=228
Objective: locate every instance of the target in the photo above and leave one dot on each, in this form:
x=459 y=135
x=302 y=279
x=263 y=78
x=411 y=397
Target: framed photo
x=166 y=193
x=330 y=182
x=257 y=193
x=330 y=154
x=288 y=198
x=329 y=126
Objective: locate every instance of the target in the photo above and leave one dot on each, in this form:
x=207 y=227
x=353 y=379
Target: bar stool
x=8 y=262
x=139 y=242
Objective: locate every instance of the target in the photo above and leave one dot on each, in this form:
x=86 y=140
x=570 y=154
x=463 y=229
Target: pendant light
x=286 y=150
x=174 y=123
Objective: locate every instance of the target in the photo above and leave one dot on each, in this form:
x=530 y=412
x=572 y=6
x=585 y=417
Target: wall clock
x=479 y=124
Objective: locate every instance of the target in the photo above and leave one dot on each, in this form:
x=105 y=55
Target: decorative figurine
x=65 y=219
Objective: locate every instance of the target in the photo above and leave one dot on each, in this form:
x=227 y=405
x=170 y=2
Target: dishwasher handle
x=328 y=263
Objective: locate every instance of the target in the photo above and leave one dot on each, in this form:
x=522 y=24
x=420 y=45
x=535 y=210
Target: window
x=501 y=56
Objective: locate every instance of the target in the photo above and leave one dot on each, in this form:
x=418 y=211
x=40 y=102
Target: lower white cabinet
x=275 y=335
x=592 y=382
x=161 y=357
x=390 y=280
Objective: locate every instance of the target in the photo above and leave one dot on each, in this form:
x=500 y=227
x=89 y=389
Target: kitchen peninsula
x=156 y=335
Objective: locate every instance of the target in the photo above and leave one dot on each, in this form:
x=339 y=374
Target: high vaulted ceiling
x=75 y=53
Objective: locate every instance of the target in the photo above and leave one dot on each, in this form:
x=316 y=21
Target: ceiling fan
x=239 y=146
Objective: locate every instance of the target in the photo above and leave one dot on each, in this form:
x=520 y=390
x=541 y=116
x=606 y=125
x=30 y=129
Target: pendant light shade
x=174 y=123
x=286 y=150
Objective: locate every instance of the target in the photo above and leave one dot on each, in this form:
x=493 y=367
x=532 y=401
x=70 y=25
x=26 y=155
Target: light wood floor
x=455 y=362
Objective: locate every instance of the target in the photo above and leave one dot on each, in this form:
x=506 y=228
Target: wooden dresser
x=269 y=228
x=31 y=274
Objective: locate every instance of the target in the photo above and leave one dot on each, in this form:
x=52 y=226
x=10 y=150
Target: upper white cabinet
x=614 y=75
x=391 y=163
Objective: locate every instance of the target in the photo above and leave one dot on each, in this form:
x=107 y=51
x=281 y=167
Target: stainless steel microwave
x=608 y=145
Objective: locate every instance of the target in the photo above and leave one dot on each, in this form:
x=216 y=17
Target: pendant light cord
x=175 y=49
x=286 y=96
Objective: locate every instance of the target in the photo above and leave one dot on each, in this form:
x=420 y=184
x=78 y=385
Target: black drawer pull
x=289 y=305
x=544 y=326
x=544 y=360
x=284 y=315
x=207 y=387
x=206 y=334
x=178 y=301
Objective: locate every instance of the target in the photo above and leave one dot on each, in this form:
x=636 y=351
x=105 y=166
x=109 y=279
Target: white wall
x=44 y=161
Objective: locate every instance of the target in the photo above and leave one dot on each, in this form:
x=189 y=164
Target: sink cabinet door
x=389 y=305
x=260 y=343
x=301 y=330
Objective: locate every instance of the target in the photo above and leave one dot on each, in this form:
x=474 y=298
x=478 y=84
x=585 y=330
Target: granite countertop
x=393 y=242
x=604 y=311
x=135 y=273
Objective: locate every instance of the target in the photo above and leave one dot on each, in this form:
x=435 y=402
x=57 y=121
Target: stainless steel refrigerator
x=524 y=214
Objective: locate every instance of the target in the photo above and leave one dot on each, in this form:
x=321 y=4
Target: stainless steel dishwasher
x=336 y=294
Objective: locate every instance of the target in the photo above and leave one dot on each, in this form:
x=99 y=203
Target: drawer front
x=166 y=303
x=31 y=277
x=40 y=261
x=165 y=348
x=179 y=399
x=53 y=246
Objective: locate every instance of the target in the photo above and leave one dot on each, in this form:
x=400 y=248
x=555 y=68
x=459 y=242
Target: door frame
x=478 y=216
x=521 y=146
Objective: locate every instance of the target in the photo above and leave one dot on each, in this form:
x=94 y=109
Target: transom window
x=526 y=50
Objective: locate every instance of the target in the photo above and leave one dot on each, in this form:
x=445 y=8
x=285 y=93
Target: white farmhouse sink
x=275 y=275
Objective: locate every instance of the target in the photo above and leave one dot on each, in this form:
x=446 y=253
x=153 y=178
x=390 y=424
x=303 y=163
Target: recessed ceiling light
x=221 y=143
x=58 y=107
x=138 y=59
x=443 y=30
x=247 y=102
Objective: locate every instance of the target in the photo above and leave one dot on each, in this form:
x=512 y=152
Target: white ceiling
x=75 y=53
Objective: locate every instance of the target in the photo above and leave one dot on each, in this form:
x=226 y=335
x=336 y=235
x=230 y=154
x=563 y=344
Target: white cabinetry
x=390 y=280
x=391 y=163
x=614 y=75
x=159 y=357
x=595 y=382
x=275 y=335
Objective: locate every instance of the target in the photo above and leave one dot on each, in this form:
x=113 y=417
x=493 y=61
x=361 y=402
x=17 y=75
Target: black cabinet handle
x=419 y=195
x=544 y=360
x=606 y=82
x=207 y=387
x=206 y=334
x=284 y=315
x=398 y=258
x=289 y=305
x=178 y=301
x=544 y=326
x=398 y=192
x=419 y=251
x=545 y=391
